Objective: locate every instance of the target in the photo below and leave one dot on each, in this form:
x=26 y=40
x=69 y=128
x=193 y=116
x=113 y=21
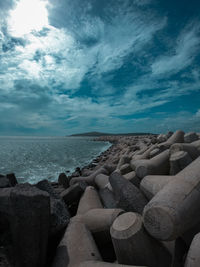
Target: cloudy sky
x=99 y=65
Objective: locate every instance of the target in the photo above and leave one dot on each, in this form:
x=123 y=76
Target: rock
x=190 y=137
x=128 y=196
x=29 y=225
x=11 y=177
x=4 y=182
x=63 y=180
x=73 y=193
x=5 y=205
x=59 y=214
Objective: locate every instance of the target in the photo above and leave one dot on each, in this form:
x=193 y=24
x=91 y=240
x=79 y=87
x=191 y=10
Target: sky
x=113 y=66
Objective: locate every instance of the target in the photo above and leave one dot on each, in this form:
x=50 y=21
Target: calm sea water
x=35 y=158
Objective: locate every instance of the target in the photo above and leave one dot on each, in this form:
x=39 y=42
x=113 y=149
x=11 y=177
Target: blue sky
x=99 y=65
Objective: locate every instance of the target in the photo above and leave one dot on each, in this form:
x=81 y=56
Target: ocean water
x=35 y=158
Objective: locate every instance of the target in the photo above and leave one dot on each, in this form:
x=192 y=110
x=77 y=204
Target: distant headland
x=109 y=134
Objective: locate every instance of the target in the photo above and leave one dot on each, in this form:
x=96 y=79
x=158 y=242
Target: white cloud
x=38 y=79
x=183 y=53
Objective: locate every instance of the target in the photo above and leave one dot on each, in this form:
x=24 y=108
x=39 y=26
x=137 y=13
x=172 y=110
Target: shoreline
x=77 y=220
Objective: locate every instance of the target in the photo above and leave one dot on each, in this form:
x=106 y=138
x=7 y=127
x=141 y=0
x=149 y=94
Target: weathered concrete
x=12 y=179
x=5 y=205
x=158 y=165
x=189 y=148
x=124 y=169
x=133 y=245
x=59 y=213
x=152 y=184
x=89 y=200
x=193 y=256
x=175 y=208
x=196 y=144
x=4 y=182
x=107 y=198
x=103 y=264
x=89 y=179
x=73 y=193
x=29 y=225
x=101 y=180
x=99 y=221
x=76 y=246
x=63 y=180
x=190 y=137
x=178 y=161
x=144 y=155
x=128 y=196
x=177 y=137
x=132 y=177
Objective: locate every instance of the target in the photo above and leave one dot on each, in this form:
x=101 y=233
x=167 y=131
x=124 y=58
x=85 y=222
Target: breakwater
x=137 y=204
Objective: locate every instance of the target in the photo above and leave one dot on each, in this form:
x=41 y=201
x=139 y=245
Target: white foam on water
x=33 y=159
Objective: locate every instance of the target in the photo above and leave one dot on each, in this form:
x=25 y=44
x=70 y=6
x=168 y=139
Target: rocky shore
x=137 y=204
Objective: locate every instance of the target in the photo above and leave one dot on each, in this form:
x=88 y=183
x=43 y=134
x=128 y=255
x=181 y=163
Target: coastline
x=77 y=220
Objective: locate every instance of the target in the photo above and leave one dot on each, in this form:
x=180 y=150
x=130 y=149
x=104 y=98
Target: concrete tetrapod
x=196 y=144
x=152 y=184
x=178 y=161
x=89 y=200
x=144 y=155
x=128 y=196
x=98 y=222
x=29 y=225
x=89 y=179
x=132 y=177
x=101 y=180
x=76 y=246
x=107 y=198
x=177 y=137
x=5 y=205
x=103 y=264
x=175 y=208
x=189 y=148
x=157 y=165
x=190 y=137
x=193 y=256
x=133 y=245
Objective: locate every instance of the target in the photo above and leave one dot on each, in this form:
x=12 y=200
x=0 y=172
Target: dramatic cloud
x=184 y=51
x=96 y=65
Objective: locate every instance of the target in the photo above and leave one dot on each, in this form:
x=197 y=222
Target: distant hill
x=96 y=134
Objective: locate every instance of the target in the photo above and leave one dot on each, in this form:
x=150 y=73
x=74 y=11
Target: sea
x=33 y=159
